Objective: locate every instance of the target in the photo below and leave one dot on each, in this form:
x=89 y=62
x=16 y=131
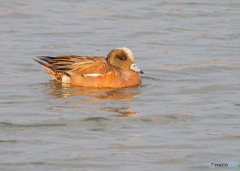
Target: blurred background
x=184 y=115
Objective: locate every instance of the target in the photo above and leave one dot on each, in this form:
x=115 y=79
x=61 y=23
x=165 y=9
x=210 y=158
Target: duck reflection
x=58 y=90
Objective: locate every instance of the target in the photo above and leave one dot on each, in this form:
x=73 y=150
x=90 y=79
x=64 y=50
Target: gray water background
x=184 y=115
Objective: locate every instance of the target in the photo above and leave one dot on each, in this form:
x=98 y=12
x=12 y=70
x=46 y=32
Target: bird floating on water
x=117 y=70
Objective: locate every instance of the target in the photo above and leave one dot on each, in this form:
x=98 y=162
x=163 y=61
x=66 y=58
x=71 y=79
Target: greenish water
x=184 y=115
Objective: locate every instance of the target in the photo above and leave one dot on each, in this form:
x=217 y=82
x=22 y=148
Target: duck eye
x=123 y=58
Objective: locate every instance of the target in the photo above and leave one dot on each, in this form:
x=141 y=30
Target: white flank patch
x=92 y=75
x=65 y=79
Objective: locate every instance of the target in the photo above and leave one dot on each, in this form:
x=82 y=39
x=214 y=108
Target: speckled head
x=122 y=58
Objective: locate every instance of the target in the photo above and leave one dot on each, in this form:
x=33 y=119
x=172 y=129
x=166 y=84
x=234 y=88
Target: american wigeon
x=117 y=70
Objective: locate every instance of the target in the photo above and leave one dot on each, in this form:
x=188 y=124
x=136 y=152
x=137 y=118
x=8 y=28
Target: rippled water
x=184 y=116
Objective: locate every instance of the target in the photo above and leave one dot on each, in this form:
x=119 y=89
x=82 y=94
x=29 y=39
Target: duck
x=117 y=70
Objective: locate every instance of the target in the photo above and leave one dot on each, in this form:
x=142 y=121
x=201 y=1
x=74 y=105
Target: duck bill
x=135 y=68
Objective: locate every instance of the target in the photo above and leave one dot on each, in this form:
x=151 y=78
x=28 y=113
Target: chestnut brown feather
x=94 y=71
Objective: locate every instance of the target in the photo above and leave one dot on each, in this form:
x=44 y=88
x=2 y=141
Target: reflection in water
x=58 y=90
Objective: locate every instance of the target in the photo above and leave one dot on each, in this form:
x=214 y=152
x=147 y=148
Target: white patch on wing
x=92 y=75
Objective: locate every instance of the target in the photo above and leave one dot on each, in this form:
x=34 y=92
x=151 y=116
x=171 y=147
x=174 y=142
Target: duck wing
x=71 y=64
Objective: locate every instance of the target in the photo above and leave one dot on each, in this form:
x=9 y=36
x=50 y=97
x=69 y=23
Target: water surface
x=183 y=116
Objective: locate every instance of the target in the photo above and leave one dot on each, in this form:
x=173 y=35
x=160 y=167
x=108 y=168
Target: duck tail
x=56 y=74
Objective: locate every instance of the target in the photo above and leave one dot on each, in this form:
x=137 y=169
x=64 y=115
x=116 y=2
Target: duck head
x=123 y=58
